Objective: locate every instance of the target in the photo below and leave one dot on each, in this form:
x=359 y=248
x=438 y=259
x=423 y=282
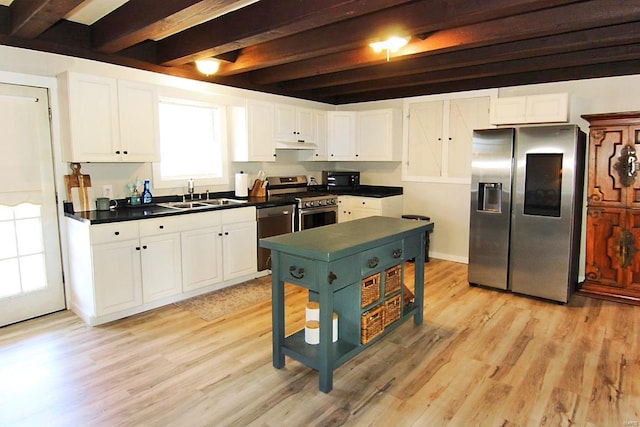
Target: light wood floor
x=481 y=357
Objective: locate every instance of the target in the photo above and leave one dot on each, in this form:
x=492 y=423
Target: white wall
x=446 y=204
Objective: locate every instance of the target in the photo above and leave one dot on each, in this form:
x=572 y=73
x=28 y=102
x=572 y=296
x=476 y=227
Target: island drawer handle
x=296 y=272
x=397 y=253
x=373 y=262
x=332 y=277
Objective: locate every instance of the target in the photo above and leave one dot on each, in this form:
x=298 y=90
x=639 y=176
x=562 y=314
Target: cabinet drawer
x=367 y=203
x=151 y=227
x=377 y=258
x=231 y=216
x=298 y=270
x=199 y=220
x=115 y=232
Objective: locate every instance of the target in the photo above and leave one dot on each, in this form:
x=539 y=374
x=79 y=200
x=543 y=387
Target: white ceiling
x=88 y=12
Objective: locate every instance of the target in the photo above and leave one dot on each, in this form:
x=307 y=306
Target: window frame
x=223 y=179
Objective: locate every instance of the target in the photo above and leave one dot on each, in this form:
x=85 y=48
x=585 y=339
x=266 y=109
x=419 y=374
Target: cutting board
x=79 y=190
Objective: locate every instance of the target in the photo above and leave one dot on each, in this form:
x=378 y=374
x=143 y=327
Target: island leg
x=325 y=365
x=419 y=283
x=277 y=312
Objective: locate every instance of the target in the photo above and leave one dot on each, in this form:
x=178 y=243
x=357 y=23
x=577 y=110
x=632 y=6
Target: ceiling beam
x=260 y=22
x=541 y=23
x=575 y=41
x=142 y=20
x=30 y=18
x=415 y=18
x=526 y=65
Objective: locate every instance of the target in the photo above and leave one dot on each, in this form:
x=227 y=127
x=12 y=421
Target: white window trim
x=158 y=182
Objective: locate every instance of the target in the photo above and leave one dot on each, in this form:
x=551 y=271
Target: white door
x=30 y=263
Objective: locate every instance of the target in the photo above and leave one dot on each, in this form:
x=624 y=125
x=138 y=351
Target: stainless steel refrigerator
x=526 y=209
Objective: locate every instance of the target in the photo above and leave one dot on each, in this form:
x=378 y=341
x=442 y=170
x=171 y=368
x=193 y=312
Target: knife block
x=257 y=190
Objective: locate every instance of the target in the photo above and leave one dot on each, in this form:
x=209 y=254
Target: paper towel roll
x=242 y=184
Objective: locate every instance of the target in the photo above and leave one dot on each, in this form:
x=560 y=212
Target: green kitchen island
x=342 y=266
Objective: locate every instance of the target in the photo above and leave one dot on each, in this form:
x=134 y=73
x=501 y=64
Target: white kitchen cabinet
x=356 y=207
x=108 y=120
x=293 y=124
x=161 y=266
x=364 y=135
x=321 y=153
x=201 y=250
x=439 y=138
x=253 y=132
x=117 y=276
x=546 y=108
x=341 y=135
x=239 y=240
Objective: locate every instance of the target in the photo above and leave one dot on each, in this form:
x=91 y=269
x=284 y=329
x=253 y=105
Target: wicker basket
x=392 y=310
x=371 y=324
x=392 y=278
x=370 y=290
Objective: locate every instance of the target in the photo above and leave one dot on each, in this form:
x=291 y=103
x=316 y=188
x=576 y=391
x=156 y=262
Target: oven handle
x=304 y=211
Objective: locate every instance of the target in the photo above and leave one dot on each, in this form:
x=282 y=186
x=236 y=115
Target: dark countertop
x=336 y=241
x=131 y=213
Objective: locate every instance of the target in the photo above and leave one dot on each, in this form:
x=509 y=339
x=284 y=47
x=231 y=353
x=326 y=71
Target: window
x=192 y=144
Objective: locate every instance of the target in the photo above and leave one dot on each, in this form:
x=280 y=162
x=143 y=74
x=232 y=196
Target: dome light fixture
x=392 y=44
x=207 y=66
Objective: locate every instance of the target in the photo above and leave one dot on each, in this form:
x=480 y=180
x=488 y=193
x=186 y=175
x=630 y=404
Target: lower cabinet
x=123 y=268
x=356 y=207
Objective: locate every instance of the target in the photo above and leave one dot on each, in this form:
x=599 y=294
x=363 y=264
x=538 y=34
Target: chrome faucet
x=190 y=187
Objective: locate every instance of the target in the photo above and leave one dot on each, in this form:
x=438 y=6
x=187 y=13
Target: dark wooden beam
x=528 y=65
x=262 y=21
x=595 y=13
x=614 y=35
x=140 y=20
x=410 y=19
x=30 y=18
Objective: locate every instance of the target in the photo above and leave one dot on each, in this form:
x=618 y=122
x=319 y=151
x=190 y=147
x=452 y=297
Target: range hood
x=295 y=145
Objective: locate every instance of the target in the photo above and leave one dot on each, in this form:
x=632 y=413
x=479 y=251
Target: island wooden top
x=335 y=241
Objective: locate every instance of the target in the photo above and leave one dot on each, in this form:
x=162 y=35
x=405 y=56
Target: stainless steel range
x=314 y=208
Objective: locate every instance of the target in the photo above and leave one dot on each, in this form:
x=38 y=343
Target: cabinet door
x=161 y=266
x=341 y=138
x=93 y=118
x=509 y=110
x=465 y=115
x=305 y=125
x=261 y=132
x=632 y=282
x=344 y=213
x=320 y=139
x=423 y=154
x=604 y=247
x=117 y=276
x=606 y=181
x=138 y=116
x=375 y=135
x=285 y=119
x=201 y=257
x=239 y=248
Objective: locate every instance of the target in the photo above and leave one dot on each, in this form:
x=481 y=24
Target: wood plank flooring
x=481 y=358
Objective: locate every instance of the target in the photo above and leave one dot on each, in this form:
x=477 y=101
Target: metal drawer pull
x=332 y=277
x=296 y=272
x=397 y=253
x=373 y=262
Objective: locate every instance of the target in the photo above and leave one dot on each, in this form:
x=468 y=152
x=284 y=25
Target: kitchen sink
x=200 y=204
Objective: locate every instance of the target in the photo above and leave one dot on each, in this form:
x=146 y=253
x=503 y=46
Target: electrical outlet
x=107 y=191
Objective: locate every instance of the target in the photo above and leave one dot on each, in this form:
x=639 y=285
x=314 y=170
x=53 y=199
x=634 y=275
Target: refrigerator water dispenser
x=490 y=197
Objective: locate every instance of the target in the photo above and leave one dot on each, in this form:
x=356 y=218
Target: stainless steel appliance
x=341 y=180
x=313 y=208
x=526 y=209
x=273 y=221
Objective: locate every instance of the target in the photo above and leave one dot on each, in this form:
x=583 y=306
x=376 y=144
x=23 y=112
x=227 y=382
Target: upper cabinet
x=439 y=138
x=320 y=153
x=294 y=125
x=252 y=129
x=548 y=108
x=364 y=135
x=108 y=120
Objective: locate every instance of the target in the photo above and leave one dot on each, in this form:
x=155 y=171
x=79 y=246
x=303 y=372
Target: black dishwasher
x=273 y=221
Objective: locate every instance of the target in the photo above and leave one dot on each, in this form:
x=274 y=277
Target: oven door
x=316 y=217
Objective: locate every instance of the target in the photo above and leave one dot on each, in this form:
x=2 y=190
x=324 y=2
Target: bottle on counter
x=135 y=197
x=146 y=193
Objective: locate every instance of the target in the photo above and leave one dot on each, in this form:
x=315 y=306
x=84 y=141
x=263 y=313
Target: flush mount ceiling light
x=390 y=45
x=207 y=66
